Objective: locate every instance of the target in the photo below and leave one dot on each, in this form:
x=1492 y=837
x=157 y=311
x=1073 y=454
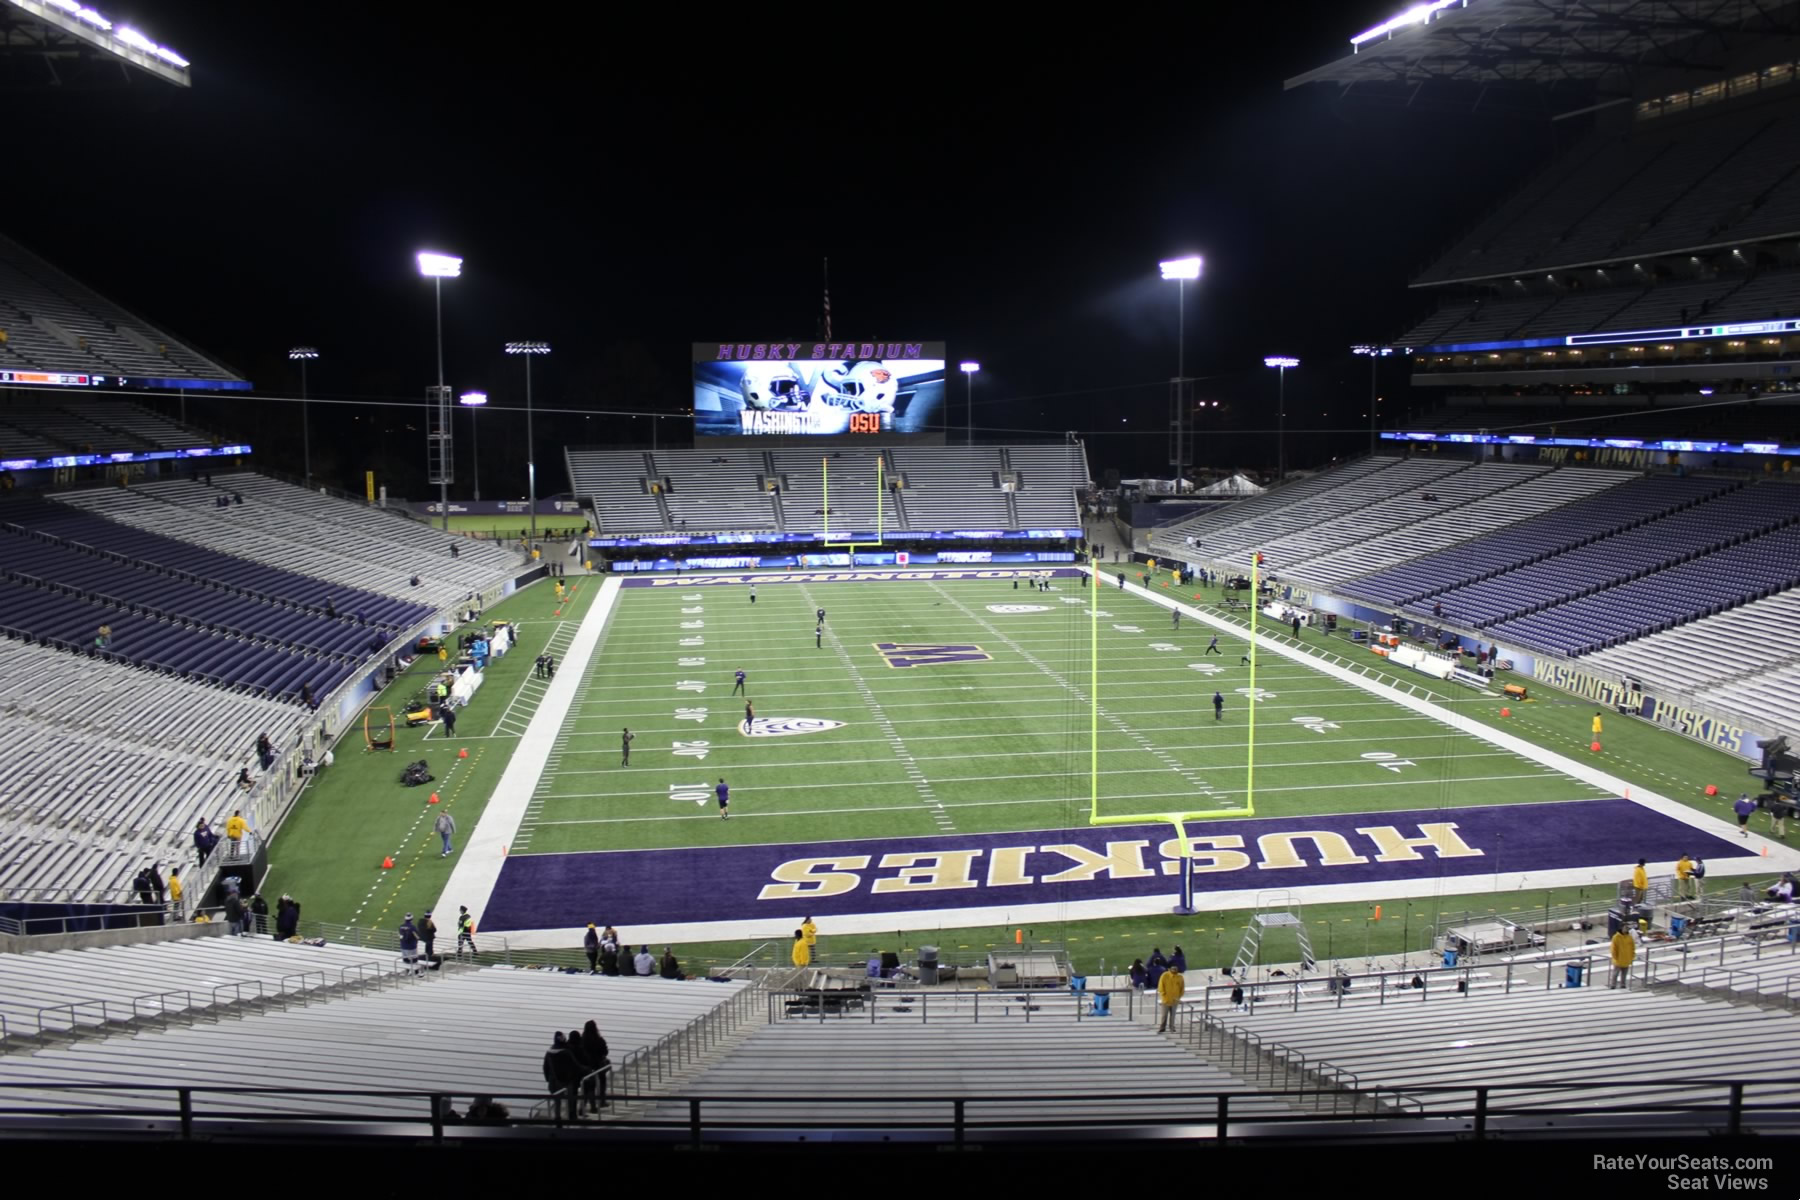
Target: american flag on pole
x=828 y=299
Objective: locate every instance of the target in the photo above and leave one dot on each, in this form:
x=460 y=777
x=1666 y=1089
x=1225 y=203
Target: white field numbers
x=699 y=793
x=1316 y=724
x=1388 y=761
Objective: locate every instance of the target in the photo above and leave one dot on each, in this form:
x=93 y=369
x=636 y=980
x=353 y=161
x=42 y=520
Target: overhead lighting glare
x=81 y=13
x=1182 y=268
x=132 y=37
x=1418 y=14
x=443 y=266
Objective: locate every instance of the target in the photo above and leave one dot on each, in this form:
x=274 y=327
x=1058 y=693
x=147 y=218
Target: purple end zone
x=788 y=882
x=848 y=575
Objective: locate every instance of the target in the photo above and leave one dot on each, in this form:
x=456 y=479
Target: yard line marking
x=894 y=740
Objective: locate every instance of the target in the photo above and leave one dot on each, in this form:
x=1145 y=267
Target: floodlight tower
x=1281 y=363
x=529 y=350
x=1180 y=270
x=969 y=369
x=304 y=355
x=473 y=401
x=439 y=445
x=1376 y=353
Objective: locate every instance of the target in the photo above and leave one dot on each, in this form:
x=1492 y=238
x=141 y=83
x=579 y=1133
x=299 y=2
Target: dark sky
x=621 y=184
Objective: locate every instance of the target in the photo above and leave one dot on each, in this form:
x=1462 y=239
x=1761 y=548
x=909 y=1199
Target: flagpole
x=827 y=280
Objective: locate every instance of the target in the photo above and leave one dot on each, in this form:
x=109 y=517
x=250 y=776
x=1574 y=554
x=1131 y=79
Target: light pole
x=304 y=355
x=528 y=350
x=1375 y=353
x=968 y=370
x=473 y=402
x=437 y=268
x=1180 y=270
x=1281 y=363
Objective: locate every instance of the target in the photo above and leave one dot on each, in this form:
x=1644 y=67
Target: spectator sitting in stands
x=485 y=1110
x=1139 y=974
x=874 y=964
x=244 y=780
x=644 y=964
x=671 y=969
x=1784 y=890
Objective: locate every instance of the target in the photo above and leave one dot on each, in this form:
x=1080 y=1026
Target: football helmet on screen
x=771 y=385
x=865 y=386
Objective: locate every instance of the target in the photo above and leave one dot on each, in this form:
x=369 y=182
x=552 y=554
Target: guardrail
x=223 y=997
x=1467 y=1112
x=920 y=1006
x=653 y=1065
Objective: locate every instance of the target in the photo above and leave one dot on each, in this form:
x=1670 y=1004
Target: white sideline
x=478 y=863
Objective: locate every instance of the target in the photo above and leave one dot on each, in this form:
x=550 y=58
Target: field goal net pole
x=825 y=495
x=1178 y=819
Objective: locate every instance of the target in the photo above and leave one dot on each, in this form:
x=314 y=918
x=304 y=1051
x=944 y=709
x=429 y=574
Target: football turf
x=964 y=745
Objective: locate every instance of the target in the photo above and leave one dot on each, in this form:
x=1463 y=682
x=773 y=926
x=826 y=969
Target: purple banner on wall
x=891 y=875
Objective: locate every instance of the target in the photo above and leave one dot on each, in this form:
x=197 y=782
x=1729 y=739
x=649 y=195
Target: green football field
x=1002 y=742
x=990 y=744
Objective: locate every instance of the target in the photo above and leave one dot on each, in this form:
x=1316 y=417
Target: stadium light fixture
x=1180 y=270
x=437 y=268
x=528 y=351
x=304 y=355
x=968 y=369
x=83 y=13
x=132 y=37
x=473 y=402
x=1281 y=363
x=1418 y=14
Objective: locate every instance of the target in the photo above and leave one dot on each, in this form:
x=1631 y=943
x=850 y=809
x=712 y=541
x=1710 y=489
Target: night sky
x=621 y=185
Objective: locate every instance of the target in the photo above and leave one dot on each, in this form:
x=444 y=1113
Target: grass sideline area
x=1004 y=743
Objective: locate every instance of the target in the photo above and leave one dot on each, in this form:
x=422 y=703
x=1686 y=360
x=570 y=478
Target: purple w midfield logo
x=929 y=654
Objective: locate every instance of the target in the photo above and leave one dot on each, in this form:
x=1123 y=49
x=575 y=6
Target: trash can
x=1572 y=973
x=1102 y=1005
x=928 y=965
x=1450 y=957
x=1677 y=923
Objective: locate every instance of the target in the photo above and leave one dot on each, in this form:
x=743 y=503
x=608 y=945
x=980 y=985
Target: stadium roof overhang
x=71 y=44
x=1549 y=53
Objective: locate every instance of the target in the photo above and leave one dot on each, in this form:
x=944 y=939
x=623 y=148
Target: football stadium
x=862 y=775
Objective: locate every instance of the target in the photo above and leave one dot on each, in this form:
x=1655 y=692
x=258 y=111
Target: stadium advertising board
x=1617 y=694
x=817 y=388
x=770 y=537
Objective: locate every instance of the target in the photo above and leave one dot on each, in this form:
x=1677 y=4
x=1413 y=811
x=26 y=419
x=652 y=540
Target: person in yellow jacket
x=1596 y=724
x=236 y=826
x=1169 y=990
x=1640 y=880
x=175 y=888
x=1684 y=878
x=1624 y=953
x=801 y=953
x=812 y=935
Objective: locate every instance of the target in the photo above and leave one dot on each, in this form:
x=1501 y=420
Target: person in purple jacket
x=1743 y=808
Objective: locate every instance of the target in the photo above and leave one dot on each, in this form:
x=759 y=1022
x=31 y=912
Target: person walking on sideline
x=1622 y=955
x=1169 y=990
x=749 y=715
x=753 y=593
x=1175 y=618
x=819 y=636
x=1596 y=724
x=738 y=687
x=801 y=954
x=590 y=944
x=625 y=748
x=445 y=826
x=465 y=930
x=724 y=793
x=821 y=615
x=1212 y=647
x=1218 y=706
x=447 y=715
x=1640 y=882
x=1743 y=808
